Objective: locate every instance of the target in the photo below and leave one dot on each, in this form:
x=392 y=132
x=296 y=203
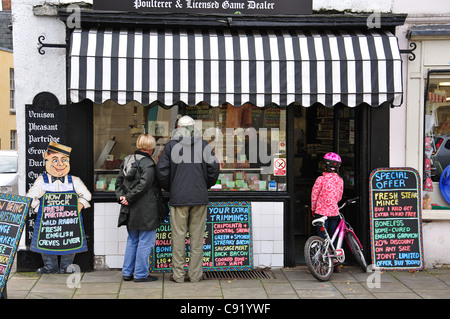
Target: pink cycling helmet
x=332 y=157
x=332 y=160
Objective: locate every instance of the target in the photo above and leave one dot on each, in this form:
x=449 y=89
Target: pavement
x=286 y=283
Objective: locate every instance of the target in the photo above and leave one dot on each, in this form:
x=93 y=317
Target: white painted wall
x=35 y=73
x=404 y=139
x=436 y=243
x=354 y=5
x=407 y=121
x=421 y=7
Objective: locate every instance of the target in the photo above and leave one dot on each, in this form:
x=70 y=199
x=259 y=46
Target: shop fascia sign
x=246 y=7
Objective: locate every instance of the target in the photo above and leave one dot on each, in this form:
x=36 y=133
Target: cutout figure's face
x=57 y=164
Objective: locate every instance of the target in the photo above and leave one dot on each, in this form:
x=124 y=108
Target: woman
x=138 y=210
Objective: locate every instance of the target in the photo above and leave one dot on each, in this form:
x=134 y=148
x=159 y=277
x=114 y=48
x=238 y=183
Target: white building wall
x=407 y=121
x=35 y=73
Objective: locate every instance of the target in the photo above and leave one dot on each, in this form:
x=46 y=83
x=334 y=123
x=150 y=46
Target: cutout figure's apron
x=59 y=226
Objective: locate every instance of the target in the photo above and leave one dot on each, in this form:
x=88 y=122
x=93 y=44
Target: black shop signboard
x=45 y=121
x=396 y=219
x=13 y=214
x=235 y=7
x=227 y=244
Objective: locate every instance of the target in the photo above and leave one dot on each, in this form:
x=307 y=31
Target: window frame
x=431 y=214
x=12 y=89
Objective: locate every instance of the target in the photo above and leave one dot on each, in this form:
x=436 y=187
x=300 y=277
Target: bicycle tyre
x=320 y=266
x=356 y=251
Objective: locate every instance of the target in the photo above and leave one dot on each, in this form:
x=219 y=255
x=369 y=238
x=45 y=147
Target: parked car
x=9 y=178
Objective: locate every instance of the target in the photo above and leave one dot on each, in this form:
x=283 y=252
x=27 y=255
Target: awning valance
x=218 y=66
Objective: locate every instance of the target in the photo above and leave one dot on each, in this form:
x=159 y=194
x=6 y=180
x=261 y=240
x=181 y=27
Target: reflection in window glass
x=249 y=142
x=437 y=143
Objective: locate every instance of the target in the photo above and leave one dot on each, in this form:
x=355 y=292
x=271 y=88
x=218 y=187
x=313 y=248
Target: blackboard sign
x=227 y=244
x=45 y=121
x=13 y=214
x=60 y=225
x=396 y=219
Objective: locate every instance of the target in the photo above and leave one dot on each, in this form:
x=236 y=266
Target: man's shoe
x=45 y=270
x=128 y=278
x=186 y=279
x=146 y=279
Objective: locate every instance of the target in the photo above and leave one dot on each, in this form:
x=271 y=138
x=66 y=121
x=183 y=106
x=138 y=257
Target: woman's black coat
x=141 y=213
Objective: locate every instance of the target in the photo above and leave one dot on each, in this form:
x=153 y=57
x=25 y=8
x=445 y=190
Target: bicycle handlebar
x=349 y=201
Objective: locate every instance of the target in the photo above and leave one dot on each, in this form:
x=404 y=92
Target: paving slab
x=387 y=287
x=102 y=276
x=98 y=288
x=188 y=290
x=279 y=288
x=319 y=294
x=244 y=293
x=433 y=293
x=140 y=293
x=352 y=289
x=312 y=284
x=396 y=295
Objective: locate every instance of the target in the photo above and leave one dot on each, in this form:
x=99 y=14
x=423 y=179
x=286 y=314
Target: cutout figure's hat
x=59 y=148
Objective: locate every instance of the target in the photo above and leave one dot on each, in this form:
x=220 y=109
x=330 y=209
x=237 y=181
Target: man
x=187 y=168
x=56 y=180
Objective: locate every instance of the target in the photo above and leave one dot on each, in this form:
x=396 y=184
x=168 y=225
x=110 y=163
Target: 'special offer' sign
x=396 y=219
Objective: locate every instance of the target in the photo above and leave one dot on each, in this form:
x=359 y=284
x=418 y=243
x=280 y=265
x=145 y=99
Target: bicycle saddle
x=319 y=221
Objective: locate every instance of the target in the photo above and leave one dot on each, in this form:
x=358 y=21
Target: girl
x=327 y=192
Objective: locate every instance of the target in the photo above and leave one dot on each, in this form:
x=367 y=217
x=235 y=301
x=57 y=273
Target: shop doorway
x=318 y=130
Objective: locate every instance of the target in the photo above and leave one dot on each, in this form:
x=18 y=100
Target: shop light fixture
x=444 y=83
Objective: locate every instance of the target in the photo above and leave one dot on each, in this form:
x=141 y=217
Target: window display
x=437 y=142
x=249 y=141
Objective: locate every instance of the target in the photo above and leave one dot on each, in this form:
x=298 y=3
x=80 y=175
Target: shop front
x=272 y=97
x=428 y=132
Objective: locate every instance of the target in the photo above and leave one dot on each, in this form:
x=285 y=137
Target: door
x=318 y=130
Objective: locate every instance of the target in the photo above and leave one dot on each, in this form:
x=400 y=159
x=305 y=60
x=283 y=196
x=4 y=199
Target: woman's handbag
x=162 y=204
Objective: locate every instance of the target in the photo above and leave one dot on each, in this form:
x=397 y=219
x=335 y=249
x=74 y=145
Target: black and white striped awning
x=218 y=66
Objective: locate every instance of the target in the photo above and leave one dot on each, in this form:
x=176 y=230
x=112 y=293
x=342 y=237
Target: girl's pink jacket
x=326 y=194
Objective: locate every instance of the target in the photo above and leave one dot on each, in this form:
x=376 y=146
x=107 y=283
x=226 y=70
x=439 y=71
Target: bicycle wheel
x=317 y=260
x=356 y=250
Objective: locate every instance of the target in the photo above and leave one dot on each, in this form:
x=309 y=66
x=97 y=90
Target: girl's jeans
x=330 y=225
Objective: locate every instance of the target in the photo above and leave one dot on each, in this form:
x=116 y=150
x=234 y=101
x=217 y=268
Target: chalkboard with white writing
x=13 y=214
x=227 y=243
x=45 y=121
x=60 y=227
x=396 y=219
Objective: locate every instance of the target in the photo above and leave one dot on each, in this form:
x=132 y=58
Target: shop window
x=249 y=141
x=437 y=142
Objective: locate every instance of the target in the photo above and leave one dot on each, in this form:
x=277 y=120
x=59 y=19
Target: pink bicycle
x=320 y=254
